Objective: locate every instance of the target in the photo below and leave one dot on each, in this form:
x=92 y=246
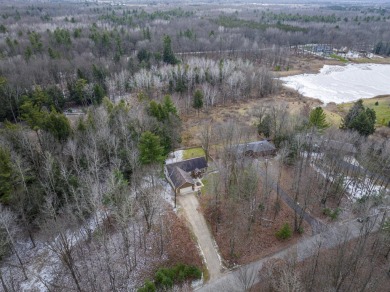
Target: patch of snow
x=41 y=262
x=351 y=160
x=175 y=156
x=167 y=193
x=343 y=83
x=355 y=187
x=352 y=55
x=197 y=283
x=361 y=188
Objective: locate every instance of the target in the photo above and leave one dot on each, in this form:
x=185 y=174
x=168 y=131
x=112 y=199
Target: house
x=184 y=176
x=337 y=147
x=256 y=149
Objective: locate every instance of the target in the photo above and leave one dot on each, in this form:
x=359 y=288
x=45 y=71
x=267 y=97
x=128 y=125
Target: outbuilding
x=256 y=149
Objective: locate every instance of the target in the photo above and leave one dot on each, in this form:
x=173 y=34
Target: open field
x=242 y=112
x=380 y=104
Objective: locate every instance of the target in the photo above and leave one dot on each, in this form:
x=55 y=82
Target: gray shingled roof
x=189 y=164
x=341 y=146
x=256 y=147
x=179 y=177
x=178 y=172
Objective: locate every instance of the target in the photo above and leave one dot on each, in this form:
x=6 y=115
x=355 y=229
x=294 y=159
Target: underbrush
x=166 y=278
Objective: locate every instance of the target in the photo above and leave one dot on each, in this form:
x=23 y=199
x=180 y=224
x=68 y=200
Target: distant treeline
x=382 y=48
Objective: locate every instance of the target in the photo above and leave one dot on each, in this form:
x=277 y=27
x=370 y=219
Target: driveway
x=190 y=206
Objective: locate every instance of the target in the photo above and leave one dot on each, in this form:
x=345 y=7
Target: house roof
x=178 y=172
x=179 y=177
x=256 y=147
x=341 y=146
x=324 y=143
x=189 y=164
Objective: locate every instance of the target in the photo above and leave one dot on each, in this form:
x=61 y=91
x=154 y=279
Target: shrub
x=167 y=277
x=148 y=287
x=285 y=232
x=193 y=272
x=333 y=214
x=377 y=103
x=301 y=230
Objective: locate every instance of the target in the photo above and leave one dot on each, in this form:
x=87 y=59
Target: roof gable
x=256 y=147
x=179 y=177
x=189 y=164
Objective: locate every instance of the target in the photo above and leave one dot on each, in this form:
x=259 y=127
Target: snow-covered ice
x=343 y=83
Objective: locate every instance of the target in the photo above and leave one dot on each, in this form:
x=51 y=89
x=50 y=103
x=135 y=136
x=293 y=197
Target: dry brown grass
x=241 y=113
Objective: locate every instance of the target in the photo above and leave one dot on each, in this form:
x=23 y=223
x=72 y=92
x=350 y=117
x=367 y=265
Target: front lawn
x=192 y=153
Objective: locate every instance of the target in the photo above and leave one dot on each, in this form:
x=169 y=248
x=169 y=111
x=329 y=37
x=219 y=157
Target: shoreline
x=340 y=83
x=313 y=65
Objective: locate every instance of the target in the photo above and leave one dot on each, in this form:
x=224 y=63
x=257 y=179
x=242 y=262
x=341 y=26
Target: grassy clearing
x=337 y=57
x=206 y=274
x=192 y=153
x=205 y=182
x=333 y=119
x=382 y=110
x=374 y=60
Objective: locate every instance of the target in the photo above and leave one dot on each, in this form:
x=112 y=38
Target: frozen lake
x=343 y=83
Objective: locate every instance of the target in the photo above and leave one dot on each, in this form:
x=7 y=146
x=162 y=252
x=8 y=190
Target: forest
x=96 y=96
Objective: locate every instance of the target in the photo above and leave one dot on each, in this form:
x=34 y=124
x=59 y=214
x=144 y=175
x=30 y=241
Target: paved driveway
x=190 y=206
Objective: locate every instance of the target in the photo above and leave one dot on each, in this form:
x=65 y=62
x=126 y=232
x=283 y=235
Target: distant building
x=323 y=48
x=256 y=149
x=337 y=147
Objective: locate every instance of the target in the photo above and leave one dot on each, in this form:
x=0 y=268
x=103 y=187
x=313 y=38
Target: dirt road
x=190 y=205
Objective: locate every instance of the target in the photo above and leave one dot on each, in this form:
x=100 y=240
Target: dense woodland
x=80 y=194
x=79 y=53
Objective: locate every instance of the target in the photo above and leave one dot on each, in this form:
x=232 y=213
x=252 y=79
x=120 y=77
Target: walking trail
x=190 y=205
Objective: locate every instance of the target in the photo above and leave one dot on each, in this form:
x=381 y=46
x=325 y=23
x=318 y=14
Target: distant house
x=256 y=149
x=184 y=176
x=337 y=146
